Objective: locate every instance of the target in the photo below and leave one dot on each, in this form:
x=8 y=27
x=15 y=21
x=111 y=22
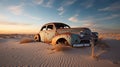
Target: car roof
x=55 y=23
x=60 y=23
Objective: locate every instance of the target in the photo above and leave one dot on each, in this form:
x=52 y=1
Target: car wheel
x=62 y=41
x=37 y=38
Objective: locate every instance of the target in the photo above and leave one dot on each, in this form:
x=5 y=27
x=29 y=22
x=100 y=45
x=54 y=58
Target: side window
x=66 y=27
x=43 y=28
x=50 y=27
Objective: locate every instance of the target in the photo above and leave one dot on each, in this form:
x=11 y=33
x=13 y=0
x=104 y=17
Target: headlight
x=96 y=34
x=81 y=35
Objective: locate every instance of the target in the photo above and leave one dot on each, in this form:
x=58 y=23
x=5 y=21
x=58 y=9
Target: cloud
x=93 y=26
x=111 y=17
x=90 y=24
x=32 y=17
x=61 y=10
x=49 y=3
x=97 y=23
x=39 y=1
x=87 y=3
x=44 y=3
x=113 y=7
x=95 y=18
x=73 y=18
x=93 y=23
x=69 y=2
x=2 y=17
x=16 y=10
x=65 y=4
x=108 y=17
x=12 y=23
x=87 y=22
x=17 y=28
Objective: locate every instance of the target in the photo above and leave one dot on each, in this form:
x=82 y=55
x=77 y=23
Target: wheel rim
x=36 y=37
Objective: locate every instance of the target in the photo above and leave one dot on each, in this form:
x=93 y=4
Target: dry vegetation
x=7 y=36
x=102 y=45
x=26 y=40
x=60 y=47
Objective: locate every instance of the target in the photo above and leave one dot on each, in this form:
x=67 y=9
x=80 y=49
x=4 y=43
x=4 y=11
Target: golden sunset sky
x=27 y=16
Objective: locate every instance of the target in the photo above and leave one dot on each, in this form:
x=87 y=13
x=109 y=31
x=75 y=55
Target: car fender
x=70 y=38
x=66 y=36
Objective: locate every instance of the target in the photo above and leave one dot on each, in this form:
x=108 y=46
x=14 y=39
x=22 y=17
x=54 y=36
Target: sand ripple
x=37 y=54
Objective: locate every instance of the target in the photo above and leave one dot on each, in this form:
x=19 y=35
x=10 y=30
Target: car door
x=42 y=33
x=49 y=33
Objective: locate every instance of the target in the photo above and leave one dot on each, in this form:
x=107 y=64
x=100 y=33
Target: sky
x=27 y=16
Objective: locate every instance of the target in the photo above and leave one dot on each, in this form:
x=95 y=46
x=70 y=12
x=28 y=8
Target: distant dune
x=115 y=36
x=37 y=54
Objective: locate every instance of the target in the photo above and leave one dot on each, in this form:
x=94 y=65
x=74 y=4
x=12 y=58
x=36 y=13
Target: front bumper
x=83 y=43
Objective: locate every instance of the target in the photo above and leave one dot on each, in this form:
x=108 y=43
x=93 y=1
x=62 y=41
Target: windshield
x=61 y=26
x=85 y=31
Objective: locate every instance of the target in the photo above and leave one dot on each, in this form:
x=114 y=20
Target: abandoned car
x=60 y=33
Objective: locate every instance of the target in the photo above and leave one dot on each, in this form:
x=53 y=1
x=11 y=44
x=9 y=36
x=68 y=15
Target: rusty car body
x=60 y=33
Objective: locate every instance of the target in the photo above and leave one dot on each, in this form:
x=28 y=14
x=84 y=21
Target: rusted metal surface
x=46 y=36
x=66 y=36
x=53 y=32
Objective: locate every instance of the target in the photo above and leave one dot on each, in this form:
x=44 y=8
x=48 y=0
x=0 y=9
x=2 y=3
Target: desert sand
x=37 y=54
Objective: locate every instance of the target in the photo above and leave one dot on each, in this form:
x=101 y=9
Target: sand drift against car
x=60 y=33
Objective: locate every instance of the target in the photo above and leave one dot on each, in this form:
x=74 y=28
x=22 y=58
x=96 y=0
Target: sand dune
x=37 y=54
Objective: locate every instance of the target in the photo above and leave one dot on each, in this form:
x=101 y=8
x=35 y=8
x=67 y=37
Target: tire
x=37 y=38
x=62 y=41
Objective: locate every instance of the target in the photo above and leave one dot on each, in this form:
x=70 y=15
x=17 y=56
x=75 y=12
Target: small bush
x=26 y=41
x=96 y=57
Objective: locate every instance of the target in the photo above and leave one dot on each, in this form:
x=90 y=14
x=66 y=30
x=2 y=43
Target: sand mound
x=102 y=44
x=26 y=40
x=60 y=48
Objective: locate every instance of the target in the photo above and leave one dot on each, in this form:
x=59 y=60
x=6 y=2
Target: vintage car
x=60 y=33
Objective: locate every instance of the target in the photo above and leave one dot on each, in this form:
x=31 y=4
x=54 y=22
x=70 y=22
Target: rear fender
x=67 y=37
x=70 y=38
